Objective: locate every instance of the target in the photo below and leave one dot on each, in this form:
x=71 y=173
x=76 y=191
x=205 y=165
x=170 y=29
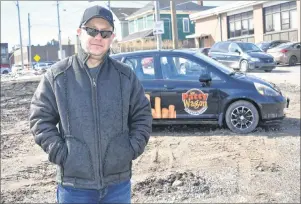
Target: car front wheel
x=242 y=117
x=244 y=66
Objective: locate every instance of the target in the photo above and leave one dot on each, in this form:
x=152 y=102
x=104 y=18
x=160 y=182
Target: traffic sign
x=37 y=58
x=159 y=28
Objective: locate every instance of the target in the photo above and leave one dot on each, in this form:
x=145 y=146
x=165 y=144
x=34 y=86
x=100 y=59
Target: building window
x=140 y=24
x=149 y=22
x=240 y=24
x=131 y=27
x=280 y=17
x=3 y=51
x=186 y=25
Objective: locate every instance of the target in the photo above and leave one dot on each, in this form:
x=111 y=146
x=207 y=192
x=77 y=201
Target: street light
x=20 y=33
x=58 y=19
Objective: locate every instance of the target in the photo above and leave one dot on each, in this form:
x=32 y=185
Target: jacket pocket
x=119 y=155
x=78 y=163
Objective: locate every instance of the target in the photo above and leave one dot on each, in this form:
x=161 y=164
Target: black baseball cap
x=97 y=12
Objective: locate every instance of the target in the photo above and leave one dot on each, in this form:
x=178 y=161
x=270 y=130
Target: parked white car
x=16 y=68
x=42 y=66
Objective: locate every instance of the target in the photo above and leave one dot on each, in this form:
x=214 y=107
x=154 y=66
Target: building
x=4 y=55
x=141 y=24
x=251 y=21
x=46 y=53
x=120 y=22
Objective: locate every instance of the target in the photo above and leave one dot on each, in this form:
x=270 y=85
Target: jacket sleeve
x=140 y=117
x=43 y=120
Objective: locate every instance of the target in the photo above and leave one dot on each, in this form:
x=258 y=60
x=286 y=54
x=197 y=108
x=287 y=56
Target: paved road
x=282 y=74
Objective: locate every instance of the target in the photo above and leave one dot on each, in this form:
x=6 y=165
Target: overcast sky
x=43 y=16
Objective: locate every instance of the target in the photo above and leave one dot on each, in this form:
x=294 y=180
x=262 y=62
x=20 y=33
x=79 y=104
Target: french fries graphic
x=159 y=112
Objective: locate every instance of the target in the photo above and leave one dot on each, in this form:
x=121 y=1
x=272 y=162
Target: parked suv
x=244 y=56
x=270 y=44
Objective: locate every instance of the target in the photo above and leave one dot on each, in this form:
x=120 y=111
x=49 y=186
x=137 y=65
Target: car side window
x=142 y=66
x=297 y=46
x=179 y=68
x=233 y=47
x=224 y=47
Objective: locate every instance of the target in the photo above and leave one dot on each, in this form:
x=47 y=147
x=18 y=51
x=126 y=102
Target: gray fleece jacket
x=91 y=128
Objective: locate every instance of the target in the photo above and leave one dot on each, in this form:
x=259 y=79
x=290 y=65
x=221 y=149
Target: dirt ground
x=183 y=163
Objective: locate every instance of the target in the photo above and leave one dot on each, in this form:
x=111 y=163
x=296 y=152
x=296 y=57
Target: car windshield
x=263 y=45
x=214 y=63
x=284 y=45
x=249 y=47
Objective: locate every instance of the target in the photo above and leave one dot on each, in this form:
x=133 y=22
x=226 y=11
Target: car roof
x=145 y=52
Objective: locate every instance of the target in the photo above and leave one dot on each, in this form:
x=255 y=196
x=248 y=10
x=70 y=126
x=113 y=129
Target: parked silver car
x=288 y=53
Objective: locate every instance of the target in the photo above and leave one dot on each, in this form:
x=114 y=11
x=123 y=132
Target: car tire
x=242 y=117
x=292 y=61
x=5 y=72
x=268 y=70
x=244 y=66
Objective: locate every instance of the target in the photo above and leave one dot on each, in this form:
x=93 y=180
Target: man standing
x=90 y=115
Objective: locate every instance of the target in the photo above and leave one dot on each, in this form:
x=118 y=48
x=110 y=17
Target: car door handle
x=168 y=87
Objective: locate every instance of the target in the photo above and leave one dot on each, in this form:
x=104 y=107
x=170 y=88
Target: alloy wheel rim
x=242 y=117
x=244 y=66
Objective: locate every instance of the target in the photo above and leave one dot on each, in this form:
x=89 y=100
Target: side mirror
x=205 y=78
x=236 y=50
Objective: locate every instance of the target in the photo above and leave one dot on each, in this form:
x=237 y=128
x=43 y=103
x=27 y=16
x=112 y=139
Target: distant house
x=46 y=53
x=142 y=21
x=4 y=55
x=120 y=22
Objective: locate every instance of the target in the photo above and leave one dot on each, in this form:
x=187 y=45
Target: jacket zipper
x=94 y=96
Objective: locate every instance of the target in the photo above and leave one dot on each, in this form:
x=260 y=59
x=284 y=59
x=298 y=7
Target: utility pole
x=29 y=43
x=17 y=4
x=174 y=25
x=157 y=18
x=59 y=26
x=109 y=5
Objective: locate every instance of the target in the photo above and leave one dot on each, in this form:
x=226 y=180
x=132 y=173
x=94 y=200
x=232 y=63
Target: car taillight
x=283 y=51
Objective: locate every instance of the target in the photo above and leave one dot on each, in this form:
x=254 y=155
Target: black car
x=208 y=91
x=265 y=45
x=244 y=56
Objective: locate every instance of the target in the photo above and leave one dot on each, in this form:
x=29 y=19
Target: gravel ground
x=182 y=163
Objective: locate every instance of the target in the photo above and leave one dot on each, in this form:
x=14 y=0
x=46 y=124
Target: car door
x=233 y=58
x=217 y=53
x=149 y=74
x=224 y=53
x=183 y=96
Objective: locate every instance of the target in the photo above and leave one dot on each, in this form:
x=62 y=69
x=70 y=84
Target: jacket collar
x=83 y=56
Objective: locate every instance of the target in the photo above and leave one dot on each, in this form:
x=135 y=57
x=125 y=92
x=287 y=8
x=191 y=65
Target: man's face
x=96 y=46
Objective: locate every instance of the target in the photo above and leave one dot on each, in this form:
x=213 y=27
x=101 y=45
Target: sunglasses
x=93 y=32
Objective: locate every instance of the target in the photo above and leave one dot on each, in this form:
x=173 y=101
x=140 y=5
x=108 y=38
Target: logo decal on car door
x=195 y=101
x=159 y=112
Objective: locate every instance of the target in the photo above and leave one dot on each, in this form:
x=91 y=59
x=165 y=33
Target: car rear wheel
x=242 y=117
x=292 y=61
x=244 y=66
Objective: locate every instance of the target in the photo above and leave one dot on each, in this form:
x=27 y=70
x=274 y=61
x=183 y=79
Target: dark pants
x=119 y=193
